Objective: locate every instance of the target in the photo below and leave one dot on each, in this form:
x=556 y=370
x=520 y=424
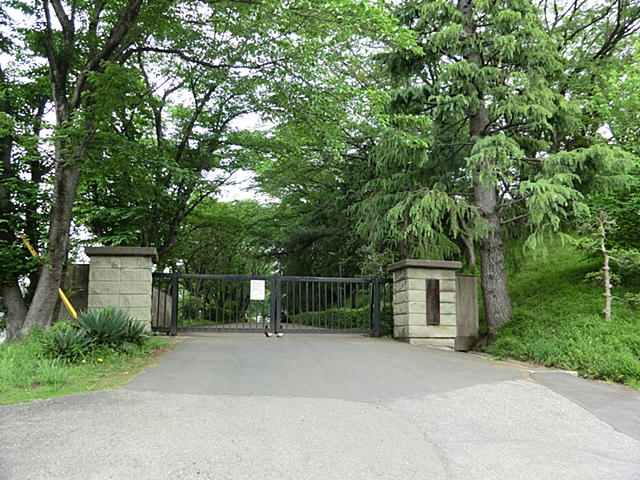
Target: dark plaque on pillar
x=433 y=302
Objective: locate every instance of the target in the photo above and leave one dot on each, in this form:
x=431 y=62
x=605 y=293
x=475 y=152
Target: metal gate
x=238 y=303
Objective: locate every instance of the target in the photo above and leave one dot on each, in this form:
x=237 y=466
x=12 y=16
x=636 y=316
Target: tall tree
x=616 y=106
x=77 y=41
x=317 y=159
x=481 y=139
x=25 y=169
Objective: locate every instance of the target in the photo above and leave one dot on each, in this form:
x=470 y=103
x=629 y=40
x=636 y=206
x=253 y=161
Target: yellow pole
x=63 y=297
x=29 y=246
x=67 y=303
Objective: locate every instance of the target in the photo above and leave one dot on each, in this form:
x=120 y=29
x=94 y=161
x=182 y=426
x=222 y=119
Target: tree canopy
x=380 y=131
x=490 y=134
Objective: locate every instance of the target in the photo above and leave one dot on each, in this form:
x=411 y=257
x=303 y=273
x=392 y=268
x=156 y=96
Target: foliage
x=106 y=326
x=24 y=169
x=557 y=320
x=148 y=98
x=177 y=132
x=225 y=237
x=364 y=162
x=633 y=299
x=617 y=103
x=111 y=327
x=76 y=41
x=595 y=232
x=596 y=279
x=583 y=343
x=484 y=138
x=24 y=367
x=315 y=161
x=67 y=342
x=135 y=333
x=317 y=172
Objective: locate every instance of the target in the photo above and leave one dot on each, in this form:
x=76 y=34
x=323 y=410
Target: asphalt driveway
x=326 y=407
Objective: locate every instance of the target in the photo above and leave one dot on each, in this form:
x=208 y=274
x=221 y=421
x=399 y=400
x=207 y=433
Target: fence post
x=273 y=300
x=121 y=277
x=173 y=329
x=376 y=307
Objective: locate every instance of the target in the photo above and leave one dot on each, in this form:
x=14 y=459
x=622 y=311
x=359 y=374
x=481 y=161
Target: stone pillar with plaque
x=425 y=303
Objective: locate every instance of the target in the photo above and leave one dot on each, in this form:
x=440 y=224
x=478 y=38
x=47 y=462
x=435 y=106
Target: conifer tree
x=472 y=146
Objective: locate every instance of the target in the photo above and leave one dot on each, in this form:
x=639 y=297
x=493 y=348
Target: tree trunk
x=15 y=308
x=38 y=170
x=495 y=291
x=493 y=270
x=12 y=300
x=66 y=180
x=606 y=269
x=467 y=239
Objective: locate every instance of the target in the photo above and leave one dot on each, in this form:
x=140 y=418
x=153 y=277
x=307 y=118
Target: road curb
x=532 y=367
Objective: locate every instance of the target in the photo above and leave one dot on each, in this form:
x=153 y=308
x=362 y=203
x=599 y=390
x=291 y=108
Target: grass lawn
x=27 y=374
x=558 y=320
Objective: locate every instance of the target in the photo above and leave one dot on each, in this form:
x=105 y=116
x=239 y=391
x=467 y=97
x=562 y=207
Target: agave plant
x=106 y=326
x=67 y=342
x=112 y=327
x=135 y=332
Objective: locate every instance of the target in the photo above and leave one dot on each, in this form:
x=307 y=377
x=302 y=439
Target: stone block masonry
x=120 y=277
x=466 y=311
x=425 y=298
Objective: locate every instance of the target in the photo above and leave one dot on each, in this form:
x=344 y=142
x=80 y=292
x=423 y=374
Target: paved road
x=324 y=407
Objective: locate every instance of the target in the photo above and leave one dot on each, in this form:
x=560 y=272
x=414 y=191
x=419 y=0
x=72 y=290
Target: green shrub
x=209 y=315
x=66 y=342
x=335 y=318
x=105 y=326
x=135 y=332
x=113 y=328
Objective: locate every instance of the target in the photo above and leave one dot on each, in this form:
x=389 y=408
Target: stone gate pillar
x=120 y=277
x=424 y=302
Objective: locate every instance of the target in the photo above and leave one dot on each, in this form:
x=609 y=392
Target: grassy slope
x=26 y=374
x=557 y=320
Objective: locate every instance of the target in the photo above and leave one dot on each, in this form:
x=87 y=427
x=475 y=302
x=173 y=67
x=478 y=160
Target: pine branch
x=514 y=202
x=515 y=219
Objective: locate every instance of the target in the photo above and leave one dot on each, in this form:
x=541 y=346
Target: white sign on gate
x=257 y=290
